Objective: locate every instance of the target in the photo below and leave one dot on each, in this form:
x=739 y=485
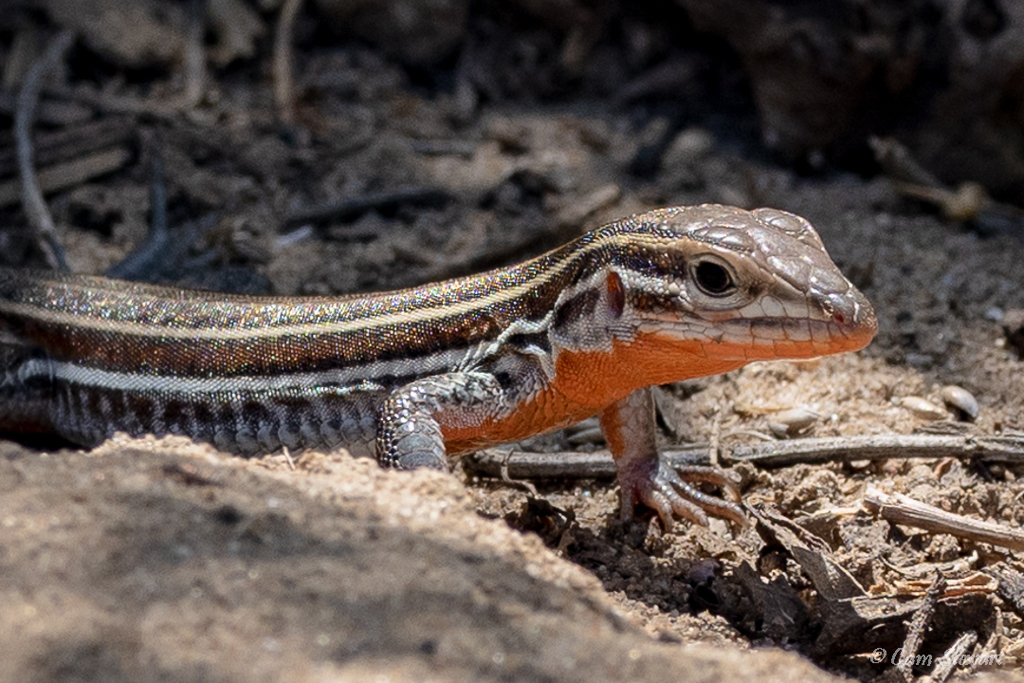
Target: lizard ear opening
x=616 y=293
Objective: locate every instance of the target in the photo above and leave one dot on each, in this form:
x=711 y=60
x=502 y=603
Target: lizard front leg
x=409 y=433
x=644 y=478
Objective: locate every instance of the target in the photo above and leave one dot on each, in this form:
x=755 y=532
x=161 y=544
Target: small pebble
x=923 y=408
x=792 y=422
x=995 y=314
x=961 y=402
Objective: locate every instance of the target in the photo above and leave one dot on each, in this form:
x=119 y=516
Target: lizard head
x=708 y=288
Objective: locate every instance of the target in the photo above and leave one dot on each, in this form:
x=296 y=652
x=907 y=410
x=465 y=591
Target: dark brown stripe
x=110 y=350
x=116 y=301
x=576 y=308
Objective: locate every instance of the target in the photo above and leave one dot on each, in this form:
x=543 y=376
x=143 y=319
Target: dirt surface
x=175 y=563
x=461 y=150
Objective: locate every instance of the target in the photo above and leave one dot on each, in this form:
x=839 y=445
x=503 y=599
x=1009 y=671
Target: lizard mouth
x=815 y=325
x=830 y=324
x=848 y=324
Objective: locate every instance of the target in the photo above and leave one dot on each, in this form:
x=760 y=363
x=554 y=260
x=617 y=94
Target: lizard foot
x=670 y=492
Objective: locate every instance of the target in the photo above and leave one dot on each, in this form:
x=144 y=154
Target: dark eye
x=713 y=278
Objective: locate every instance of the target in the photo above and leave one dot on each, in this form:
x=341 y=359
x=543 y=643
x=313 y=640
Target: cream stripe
x=127 y=328
x=300 y=382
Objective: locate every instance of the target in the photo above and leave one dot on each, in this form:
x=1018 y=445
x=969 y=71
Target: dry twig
x=880 y=447
x=900 y=509
x=69 y=174
x=918 y=626
x=952 y=656
x=353 y=207
x=599 y=464
x=284 y=97
x=68 y=142
x=32 y=197
x=968 y=202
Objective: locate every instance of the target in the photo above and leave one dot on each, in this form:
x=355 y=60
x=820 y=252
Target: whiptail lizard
x=416 y=375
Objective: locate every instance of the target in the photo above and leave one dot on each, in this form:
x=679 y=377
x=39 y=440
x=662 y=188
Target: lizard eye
x=713 y=278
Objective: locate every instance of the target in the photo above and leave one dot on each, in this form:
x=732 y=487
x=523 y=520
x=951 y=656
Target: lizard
x=414 y=376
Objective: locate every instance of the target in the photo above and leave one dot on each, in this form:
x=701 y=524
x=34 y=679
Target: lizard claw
x=669 y=492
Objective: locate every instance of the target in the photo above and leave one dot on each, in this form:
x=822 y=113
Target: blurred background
x=473 y=131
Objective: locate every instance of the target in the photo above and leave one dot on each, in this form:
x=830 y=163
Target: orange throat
x=588 y=382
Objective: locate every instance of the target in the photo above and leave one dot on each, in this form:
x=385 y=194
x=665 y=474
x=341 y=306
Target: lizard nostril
x=842 y=311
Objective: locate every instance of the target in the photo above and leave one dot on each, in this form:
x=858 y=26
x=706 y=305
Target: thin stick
x=112 y=104
x=69 y=142
x=916 y=629
x=69 y=173
x=571 y=464
x=900 y=509
x=283 y=95
x=353 y=207
x=881 y=447
x=599 y=464
x=952 y=656
x=32 y=197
